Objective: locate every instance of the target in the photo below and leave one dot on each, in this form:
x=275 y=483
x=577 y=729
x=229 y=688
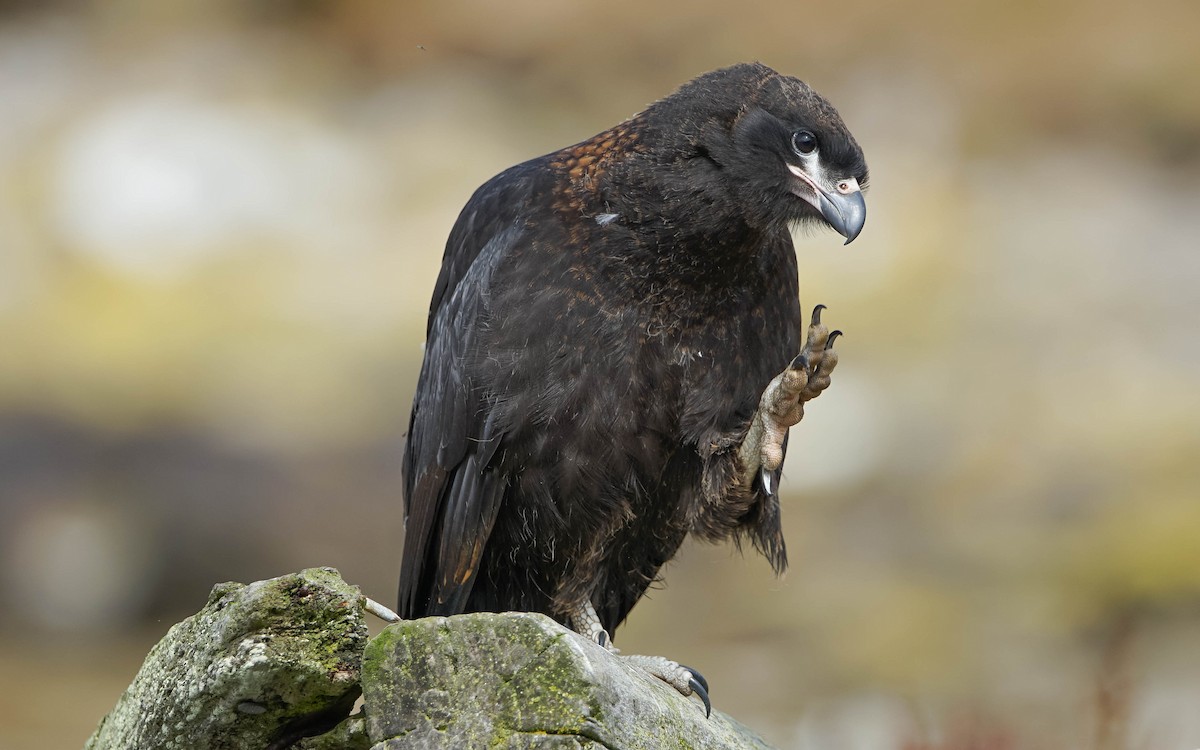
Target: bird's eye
x=804 y=142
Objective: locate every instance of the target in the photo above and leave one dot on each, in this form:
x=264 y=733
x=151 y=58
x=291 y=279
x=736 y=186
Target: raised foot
x=817 y=359
x=782 y=403
x=683 y=678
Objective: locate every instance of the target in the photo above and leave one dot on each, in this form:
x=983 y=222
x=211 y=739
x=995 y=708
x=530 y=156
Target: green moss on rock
x=263 y=665
x=256 y=664
x=519 y=680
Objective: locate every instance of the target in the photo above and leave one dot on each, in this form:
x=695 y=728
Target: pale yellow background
x=220 y=223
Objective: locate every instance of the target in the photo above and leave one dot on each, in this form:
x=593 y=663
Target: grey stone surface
x=258 y=666
x=522 y=681
x=265 y=665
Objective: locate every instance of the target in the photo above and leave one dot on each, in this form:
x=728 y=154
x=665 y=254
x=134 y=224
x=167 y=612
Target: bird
x=613 y=357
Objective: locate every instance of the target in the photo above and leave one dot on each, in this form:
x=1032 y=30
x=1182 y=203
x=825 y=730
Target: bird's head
x=773 y=146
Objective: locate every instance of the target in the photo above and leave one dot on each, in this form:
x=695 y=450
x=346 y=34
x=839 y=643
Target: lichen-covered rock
x=523 y=681
x=265 y=665
x=258 y=667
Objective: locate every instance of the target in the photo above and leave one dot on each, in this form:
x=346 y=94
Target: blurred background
x=220 y=224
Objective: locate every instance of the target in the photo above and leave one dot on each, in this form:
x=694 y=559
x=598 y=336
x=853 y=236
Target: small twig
x=380 y=611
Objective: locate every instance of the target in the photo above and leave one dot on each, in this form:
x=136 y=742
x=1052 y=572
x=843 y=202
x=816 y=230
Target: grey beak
x=846 y=213
x=843 y=207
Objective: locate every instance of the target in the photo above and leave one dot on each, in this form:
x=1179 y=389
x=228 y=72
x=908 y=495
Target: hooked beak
x=841 y=205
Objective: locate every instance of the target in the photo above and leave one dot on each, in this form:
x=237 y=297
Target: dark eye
x=804 y=142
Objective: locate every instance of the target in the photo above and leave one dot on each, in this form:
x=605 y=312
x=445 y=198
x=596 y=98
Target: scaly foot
x=782 y=404
x=683 y=678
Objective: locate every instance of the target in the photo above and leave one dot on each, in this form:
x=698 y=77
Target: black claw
x=700 y=691
x=800 y=362
x=602 y=639
x=816 y=316
x=832 y=338
x=697 y=677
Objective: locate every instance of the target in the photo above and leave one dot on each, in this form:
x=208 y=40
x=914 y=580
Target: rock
x=278 y=664
x=258 y=667
x=351 y=734
x=519 y=680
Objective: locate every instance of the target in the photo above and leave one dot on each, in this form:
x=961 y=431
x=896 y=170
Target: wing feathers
x=451 y=498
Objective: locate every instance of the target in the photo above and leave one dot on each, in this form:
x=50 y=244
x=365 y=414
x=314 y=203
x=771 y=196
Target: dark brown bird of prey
x=614 y=356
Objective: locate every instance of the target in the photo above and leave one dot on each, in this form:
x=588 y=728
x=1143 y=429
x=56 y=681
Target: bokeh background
x=220 y=223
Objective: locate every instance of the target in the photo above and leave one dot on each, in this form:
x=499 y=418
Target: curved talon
x=699 y=690
x=816 y=315
x=602 y=638
x=697 y=677
x=832 y=337
x=766 y=478
x=800 y=362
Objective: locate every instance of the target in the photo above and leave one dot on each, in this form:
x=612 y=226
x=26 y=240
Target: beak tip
x=843 y=209
x=846 y=214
